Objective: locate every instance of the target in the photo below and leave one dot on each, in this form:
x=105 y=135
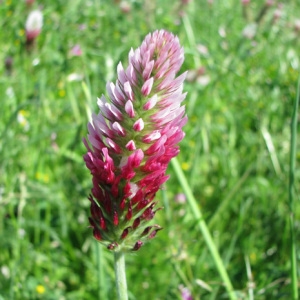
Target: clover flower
x=132 y=140
x=33 y=26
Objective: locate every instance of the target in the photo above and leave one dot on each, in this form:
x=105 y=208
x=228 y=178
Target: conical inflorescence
x=132 y=140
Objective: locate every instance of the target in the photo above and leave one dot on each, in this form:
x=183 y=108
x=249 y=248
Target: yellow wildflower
x=40 y=289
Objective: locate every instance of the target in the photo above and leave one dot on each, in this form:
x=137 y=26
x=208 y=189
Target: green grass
x=235 y=156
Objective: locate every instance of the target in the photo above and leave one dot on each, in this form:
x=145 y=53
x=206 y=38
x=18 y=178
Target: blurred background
x=243 y=63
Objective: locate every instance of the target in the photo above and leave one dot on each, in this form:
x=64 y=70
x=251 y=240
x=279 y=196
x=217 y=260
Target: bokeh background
x=243 y=63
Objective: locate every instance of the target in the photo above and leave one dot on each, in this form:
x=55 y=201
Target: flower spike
x=132 y=140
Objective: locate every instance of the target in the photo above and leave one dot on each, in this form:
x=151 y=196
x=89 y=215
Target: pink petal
x=147 y=86
x=152 y=136
x=146 y=58
x=108 y=110
x=119 y=129
x=113 y=146
x=148 y=69
x=110 y=87
x=128 y=90
x=138 y=125
x=129 y=109
x=131 y=75
x=101 y=126
x=130 y=145
x=150 y=103
x=163 y=69
x=155 y=147
x=121 y=73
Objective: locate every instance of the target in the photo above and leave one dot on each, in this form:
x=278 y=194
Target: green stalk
x=100 y=270
x=204 y=229
x=120 y=275
x=291 y=194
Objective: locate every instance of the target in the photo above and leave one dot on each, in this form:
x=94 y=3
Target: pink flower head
x=277 y=14
x=245 y=2
x=125 y=7
x=180 y=198
x=249 y=31
x=76 y=50
x=185 y=293
x=29 y=2
x=297 y=25
x=269 y=2
x=132 y=140
x=33 y=25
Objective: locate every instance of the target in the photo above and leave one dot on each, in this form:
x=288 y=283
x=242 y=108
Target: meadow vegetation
x=243 y=63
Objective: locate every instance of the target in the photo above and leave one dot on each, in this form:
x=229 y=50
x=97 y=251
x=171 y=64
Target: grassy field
x=243 y=62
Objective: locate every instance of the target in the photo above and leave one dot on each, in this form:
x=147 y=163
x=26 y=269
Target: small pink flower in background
x=132 y=140
x=82 y=27
x=181 y=11
x=54 y=144
x=203 y=80
x=280 y=5
x=277 y=14
x=33 y=26
x=180 y=198
x=29 y=2
x=297 y=25
x=199 y=75
x=203 y=50
x=245 y=2
x=125 y=7
x=185 y=293
x=249 y=31
x=269 y=2
x=76 y=50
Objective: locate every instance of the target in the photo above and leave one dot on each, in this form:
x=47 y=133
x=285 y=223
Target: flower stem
x=293 y=152
x=204 y=229
x=100 y=269
x=120 y=275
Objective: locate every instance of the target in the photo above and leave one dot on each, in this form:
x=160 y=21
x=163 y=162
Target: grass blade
x=204 y=229
x=291 y=193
